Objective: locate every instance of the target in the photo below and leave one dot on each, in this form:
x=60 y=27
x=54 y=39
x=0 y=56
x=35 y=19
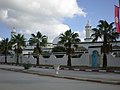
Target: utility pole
x=119 y=3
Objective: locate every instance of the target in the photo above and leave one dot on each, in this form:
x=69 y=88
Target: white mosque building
x=89 y=52
x=13 y=32
x=89 y=32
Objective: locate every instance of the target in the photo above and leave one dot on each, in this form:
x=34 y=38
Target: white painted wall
x=52 y=60
x=113 y=61
x=84 y=60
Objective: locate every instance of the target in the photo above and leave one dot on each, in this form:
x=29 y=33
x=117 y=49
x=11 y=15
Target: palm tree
x=69 y=38
x=38 y=40
x=106 y=32
x=5 y=47
x=18 y=41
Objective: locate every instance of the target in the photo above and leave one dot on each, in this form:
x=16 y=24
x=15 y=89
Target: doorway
x=95 y=58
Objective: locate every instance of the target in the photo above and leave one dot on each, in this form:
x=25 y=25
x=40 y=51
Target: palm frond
x=38 y=39
x=104 y=29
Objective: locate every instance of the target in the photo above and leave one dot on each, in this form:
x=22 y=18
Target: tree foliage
x=107 y=32
x=18 y=42
x=5 y=47
x=38 y=40
x=59 y=49
x=69 y=39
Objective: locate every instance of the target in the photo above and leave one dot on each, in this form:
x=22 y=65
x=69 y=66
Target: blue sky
x=95 y=9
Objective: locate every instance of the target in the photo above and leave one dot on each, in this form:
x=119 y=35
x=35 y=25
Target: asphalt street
x=100 y=77
x=10 y=80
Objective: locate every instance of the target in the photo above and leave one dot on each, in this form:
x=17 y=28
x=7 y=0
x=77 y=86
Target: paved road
x=81 y=75
x=21 y=81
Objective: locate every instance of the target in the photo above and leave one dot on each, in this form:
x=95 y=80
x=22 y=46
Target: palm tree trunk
x=69 y=56
x=69 y=61
x=37 y=62
x=105 y=51
x=5 y=58
x=104 y=60
x=17 y=59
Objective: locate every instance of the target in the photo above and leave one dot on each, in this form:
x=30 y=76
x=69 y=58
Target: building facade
x=88 y=53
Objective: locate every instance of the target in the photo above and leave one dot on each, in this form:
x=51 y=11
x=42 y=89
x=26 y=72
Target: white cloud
x=82 y=35
x=46 y=16
x=3 y=14
x=0 y=39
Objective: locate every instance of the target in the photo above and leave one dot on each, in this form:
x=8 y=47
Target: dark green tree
x=69 y=39
x=5 y=47
x=107 y=33
x=38 y=40
x=18 y=42
x=59 y=49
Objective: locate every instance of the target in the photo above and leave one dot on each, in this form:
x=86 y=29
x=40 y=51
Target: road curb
x=87 y=70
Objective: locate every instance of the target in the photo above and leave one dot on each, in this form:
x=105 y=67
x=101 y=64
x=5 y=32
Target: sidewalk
x=100 y=77
x=87 y=69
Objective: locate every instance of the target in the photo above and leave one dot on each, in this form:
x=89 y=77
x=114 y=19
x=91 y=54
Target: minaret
x=13 y=32
x=89 y=32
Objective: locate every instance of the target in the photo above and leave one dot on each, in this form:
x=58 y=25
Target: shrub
x=27 y=65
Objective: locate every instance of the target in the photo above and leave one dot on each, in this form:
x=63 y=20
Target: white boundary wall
x=84 y=60
x=52 y=60
x=113 y=61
